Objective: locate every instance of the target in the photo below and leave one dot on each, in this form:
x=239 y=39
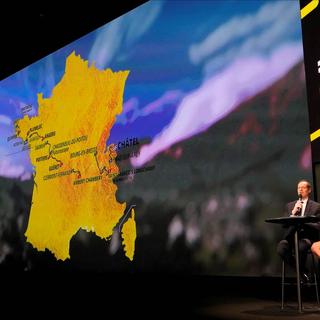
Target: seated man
x=307 y=235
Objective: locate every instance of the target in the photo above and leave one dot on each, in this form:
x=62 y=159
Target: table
x=298 y=222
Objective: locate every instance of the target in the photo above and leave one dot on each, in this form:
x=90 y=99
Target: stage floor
x=153 y=295
x=247 y=308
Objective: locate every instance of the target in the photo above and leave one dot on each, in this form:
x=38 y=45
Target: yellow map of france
x=73 y=167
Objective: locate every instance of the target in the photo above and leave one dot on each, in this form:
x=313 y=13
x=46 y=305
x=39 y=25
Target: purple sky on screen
x=220 y=95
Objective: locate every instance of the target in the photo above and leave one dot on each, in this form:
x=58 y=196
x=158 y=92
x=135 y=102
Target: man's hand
x=297 y=208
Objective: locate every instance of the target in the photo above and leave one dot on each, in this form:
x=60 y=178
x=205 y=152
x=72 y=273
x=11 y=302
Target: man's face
x=303 y=189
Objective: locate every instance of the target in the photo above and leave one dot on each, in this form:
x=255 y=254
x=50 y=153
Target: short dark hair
x=307 y=182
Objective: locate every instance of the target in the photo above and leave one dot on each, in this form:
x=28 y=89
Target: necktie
x=301 y=209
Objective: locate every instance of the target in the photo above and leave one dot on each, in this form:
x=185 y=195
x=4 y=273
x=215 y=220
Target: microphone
x=300 y=199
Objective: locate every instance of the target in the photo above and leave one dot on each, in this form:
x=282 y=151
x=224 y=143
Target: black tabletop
x=292 y=220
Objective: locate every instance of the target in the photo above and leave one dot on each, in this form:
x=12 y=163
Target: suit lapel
x=308 y=208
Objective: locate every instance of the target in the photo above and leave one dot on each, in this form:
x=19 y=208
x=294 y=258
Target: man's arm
x=290 y=228
x=287 y=213
x=289 y=207
x=315 y=212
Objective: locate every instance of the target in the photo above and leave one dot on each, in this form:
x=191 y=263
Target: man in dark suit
x=307 y=235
